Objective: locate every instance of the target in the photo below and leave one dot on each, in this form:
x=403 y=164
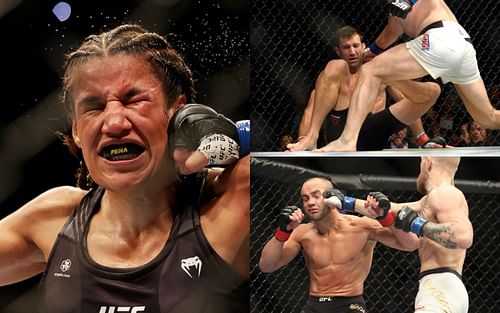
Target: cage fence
x=392 y=284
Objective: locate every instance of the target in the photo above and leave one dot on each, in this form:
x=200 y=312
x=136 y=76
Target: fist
x=334 y=198
x=405 y=218
x=378 y=204
x=400 y=8
x=199 y=136
x=290 y=217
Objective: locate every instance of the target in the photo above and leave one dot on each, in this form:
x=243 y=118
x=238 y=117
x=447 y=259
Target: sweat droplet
x=62 y=11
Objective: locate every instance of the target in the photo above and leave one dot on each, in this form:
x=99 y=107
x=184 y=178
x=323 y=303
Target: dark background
x=212 y=35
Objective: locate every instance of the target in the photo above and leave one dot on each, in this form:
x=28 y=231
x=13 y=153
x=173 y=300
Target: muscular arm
x=392 y=237
x=392 y=31
x=27 y=235
x=277 y=253
x=453 y=229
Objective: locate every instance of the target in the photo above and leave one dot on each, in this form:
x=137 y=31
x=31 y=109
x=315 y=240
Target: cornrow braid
x=165 y=63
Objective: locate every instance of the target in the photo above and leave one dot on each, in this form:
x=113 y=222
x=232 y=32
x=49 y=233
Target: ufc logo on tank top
x=116 y=309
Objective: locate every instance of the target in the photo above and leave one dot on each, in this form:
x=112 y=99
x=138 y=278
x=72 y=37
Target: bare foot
x=337 y=145
x=304 y=144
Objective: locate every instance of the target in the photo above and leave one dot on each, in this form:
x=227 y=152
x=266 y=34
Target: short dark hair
x=346 y=32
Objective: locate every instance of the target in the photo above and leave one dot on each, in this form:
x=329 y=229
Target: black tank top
x=187 y=276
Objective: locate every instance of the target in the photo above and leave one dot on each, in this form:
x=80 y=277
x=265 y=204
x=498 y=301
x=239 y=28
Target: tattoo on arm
x=441 y=233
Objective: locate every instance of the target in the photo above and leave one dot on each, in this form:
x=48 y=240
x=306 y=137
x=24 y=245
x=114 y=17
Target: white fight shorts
x=446 y=52
x=441 y=291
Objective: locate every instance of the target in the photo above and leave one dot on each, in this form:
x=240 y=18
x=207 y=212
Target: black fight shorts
x=335 y=305
x=374 y=134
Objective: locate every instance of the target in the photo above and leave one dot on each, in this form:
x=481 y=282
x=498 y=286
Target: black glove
x=383 y=203
x=332 y=192
x=408 y=220
x=194 y=122
x=401 y=8
x=284 y=218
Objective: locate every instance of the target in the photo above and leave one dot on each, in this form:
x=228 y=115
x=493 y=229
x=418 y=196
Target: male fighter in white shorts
x=441 y=48
x=441 y=221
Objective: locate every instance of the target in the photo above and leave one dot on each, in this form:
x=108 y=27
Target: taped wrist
x=282 y=235
x=387 y=220
x=349 y=204
x=375 y=49
x=417 y=225
x=243 y=128
x=422 y=139
x=219 y=149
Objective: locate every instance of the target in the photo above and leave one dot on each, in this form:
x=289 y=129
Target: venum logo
x=195 y=262
x=116 y=309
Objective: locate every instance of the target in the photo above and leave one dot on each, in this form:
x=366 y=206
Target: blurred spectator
x=285 y=140
x=400 y=139
x=478 y=135
x=447 y=116
x=463 y=134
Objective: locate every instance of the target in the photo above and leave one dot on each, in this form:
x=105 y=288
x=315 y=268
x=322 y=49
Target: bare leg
x=393 y=65
x=305 y=122
x=476 y=101
x=419 y=99
x=326 y=94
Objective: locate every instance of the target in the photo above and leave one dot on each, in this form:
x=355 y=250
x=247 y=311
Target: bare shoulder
x=445 y=194
x=303 y=231
x=55 y=204
x=59 y=201
x=363 y=222
x=337 y=68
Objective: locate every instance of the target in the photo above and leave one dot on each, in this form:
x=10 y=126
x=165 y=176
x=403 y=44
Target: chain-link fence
x=292 y=40
x=392 y=284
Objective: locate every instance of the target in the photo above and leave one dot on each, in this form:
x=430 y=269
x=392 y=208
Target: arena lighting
x=62 y=10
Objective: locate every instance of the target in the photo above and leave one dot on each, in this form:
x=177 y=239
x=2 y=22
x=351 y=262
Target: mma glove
x=282 y=233
x=408 y=220
x=199 y=127
x=401 y=8
x=386 y=216
x=335 y=198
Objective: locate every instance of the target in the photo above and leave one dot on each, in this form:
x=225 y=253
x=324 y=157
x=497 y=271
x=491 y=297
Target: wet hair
x=164 y=61
x=346 y=32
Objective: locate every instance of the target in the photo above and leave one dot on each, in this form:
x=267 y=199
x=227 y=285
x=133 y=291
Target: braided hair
x=165 y=63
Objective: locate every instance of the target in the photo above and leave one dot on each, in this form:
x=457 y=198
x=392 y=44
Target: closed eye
x=90 y=103
x=135 y=95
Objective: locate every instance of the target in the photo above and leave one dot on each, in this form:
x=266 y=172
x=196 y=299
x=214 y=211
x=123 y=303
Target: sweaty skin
x=338 y=248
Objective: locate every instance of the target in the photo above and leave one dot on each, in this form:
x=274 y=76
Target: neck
x=330 y=221
x=439 y=180
x=130 y=214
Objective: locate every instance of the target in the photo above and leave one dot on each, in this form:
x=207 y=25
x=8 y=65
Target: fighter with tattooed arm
x=441 y=221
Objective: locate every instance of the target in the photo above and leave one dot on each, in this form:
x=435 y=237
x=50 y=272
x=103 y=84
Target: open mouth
x=120 y=152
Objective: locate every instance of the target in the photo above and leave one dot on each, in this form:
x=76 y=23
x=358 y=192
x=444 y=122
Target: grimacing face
x=351 y=49
x=120 y=107
x=312 y=199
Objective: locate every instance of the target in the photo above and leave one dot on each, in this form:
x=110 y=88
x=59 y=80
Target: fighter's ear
x=177 y=104
x=74 y=133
